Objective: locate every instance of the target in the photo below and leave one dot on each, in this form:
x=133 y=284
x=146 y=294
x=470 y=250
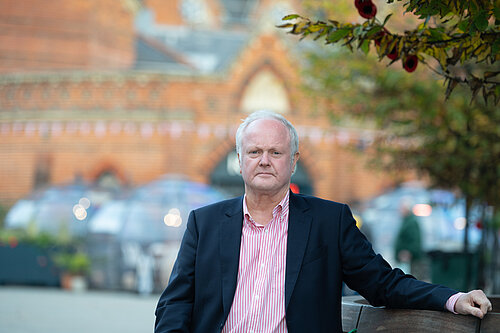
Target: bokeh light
x=80 y=212
x=84 y=202
x=459 y=223
x=422 y=210
x=173 y=218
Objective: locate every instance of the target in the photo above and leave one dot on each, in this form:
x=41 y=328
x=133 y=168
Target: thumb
x=476 y=312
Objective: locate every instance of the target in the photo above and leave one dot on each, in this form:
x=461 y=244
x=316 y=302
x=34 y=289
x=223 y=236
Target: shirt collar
x=281 y=207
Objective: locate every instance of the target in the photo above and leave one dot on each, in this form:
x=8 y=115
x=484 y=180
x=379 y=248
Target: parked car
x=133 y=242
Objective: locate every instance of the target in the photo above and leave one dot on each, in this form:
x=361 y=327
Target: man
x=274 y=261
x=408 y=246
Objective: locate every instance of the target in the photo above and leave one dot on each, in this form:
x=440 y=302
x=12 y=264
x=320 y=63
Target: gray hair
x=264 y=114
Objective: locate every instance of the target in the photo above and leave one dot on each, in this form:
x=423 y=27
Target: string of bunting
x=174 y=129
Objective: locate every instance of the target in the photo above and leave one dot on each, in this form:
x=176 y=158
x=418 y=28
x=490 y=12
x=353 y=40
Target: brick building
x=131 y=90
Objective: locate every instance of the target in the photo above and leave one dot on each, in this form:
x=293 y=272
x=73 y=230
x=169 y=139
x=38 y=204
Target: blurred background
x=117 y=118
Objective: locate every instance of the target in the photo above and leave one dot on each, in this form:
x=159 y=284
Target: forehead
x=266 y=132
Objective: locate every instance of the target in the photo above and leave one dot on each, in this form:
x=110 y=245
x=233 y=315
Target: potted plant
x=75 y=267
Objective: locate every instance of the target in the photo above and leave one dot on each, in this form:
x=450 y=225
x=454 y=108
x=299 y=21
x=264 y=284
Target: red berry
x=410 y=63
x=393 y=54
x=358 y=3
x=367 y=9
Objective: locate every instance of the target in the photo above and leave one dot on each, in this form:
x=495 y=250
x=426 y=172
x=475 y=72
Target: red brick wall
x=65 y=34
x=144 y=125
x=166 y=12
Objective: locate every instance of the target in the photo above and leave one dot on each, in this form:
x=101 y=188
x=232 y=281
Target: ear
x=295 y=160
x=239 y=161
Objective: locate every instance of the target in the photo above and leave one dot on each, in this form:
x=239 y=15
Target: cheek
x=284 y=166
x=245 y=166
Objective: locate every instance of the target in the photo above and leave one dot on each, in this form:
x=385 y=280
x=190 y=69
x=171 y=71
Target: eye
x=276 y=153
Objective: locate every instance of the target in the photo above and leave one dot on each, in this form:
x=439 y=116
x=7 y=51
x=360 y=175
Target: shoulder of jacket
x=312 y=200
x=224 y=205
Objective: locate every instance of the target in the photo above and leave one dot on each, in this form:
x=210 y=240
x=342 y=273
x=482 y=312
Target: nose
x=264 y=160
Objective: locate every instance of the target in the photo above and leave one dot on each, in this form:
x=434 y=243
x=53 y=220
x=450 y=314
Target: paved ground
x=48 y=310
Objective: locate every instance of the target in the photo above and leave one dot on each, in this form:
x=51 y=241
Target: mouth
x=265 y=174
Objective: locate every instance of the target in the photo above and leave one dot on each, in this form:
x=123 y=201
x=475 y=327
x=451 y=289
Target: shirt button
x=256 y=297
x=262 y=265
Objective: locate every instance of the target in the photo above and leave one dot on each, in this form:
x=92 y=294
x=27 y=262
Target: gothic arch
x=105 y=172
x=264 y=88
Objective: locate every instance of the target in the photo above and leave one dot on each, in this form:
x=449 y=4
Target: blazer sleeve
x=370 y=275
x=175 y=306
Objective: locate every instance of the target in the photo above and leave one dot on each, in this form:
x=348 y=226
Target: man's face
x=265 y=160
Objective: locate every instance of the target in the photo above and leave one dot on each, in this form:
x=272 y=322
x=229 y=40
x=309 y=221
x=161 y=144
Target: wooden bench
x=357 y=313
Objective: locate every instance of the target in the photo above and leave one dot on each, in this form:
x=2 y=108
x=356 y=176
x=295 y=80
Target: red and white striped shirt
x=259 y=301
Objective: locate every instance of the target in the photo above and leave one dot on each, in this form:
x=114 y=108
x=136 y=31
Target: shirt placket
x=262 y=279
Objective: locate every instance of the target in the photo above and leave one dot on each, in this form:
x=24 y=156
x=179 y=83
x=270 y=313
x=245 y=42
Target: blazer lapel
x=229 y=249
x=299 y=225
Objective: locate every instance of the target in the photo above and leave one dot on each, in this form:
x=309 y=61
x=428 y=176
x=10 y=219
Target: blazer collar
x=299 y=226
x=230 y=227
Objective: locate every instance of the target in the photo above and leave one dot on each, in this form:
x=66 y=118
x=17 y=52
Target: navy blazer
x=324 y=248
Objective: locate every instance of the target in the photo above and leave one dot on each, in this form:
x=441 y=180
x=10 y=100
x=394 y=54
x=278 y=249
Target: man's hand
x=473 y=303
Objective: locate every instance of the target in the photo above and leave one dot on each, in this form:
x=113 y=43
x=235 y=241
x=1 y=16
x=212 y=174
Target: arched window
x=265 y=92
x=108 y=179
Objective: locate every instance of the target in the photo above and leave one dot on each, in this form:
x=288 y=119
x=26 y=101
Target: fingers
x=483 y=302
x=477 y=312
x=474 y=303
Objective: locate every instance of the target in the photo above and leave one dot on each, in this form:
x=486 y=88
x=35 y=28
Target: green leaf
x=316 y=27
x=495 y=47
x=386 y=19
x=373 y=31
x=365 y=46
x=337 y=35
x=436 y=35
x=358 y=31
x=290 y=17
x=496 y=12
x=481 y=20
x=464 y=25
x=299 y=28
x=482 y=52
